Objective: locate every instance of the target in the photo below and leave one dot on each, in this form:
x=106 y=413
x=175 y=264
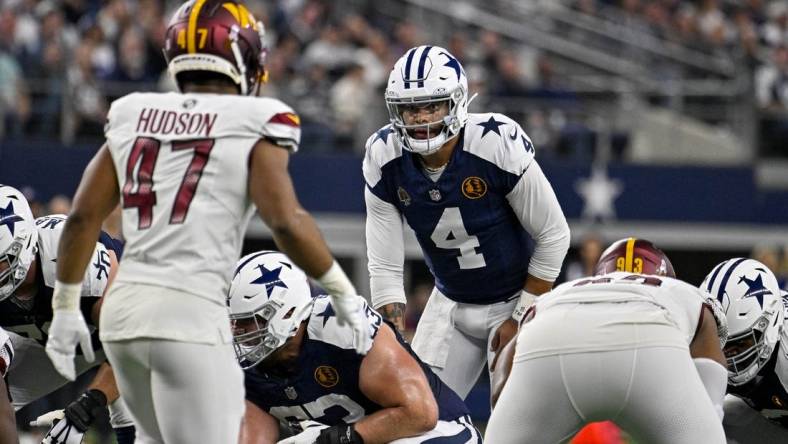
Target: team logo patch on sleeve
x=326 y=376
x=474 y=187
x=289 y=119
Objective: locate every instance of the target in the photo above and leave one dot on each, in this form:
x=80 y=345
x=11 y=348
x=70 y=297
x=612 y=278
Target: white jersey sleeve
x=182 y=166
x=536 y=206
x=6 y=353
x=323 y=325
x=384 y=228
x=96 y=276
x=532 y=197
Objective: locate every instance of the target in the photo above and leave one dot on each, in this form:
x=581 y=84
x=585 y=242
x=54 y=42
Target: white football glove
x=350 y=311
x=68 y=329
x=62 y=432
x=48 y=419
x=311 y=430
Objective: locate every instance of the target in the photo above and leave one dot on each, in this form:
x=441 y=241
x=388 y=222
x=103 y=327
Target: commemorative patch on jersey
x=474 y=187
x=326 y=376
x=403 y=195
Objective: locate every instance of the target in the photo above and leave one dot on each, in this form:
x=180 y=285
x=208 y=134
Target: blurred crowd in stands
x=62 y=62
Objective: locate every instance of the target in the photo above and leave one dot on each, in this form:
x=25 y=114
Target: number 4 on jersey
x=139 y=171
x=450 y=234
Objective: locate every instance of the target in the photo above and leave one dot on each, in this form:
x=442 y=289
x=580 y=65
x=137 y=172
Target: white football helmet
x=427 y=75
x=752 y=301
x=269 y=298
x=18 y=239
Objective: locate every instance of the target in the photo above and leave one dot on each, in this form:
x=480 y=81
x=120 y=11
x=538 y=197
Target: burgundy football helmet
x=219 y=36
x=635 y=256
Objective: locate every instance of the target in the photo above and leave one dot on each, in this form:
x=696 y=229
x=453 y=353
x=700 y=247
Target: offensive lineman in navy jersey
x=302 y=370
x=487 y=219
x=27 y=276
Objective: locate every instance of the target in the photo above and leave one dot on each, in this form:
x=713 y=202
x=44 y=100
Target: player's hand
x=62 y=432
x=311 y=430
x=67 y=330
x=505 y=333
x=349 y=310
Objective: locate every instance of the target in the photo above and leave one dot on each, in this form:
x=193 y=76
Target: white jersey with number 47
x=182 y=164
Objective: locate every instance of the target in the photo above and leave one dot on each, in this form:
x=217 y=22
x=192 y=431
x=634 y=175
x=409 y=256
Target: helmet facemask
x=253 y=340
x=747 y=352
x=437 y=132
x=12 y=270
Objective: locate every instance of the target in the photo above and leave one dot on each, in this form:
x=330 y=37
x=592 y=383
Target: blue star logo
x=755 y=288
x=9 y=218
x=270 y=278
x=490 y=125
x=453 y=64
x=383 y=134
x=327 y=313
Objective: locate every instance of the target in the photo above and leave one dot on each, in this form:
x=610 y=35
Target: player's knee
x=424 y=414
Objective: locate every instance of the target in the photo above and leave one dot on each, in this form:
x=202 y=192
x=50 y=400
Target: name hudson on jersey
x=159 y=121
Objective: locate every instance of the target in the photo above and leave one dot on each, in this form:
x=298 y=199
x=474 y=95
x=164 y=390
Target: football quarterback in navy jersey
x=27 y=275
x=303 y=373
x=756 y=409
x=484 y=214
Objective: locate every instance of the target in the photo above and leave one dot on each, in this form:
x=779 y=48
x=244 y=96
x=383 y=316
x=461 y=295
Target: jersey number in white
x=450 y=234
x=316 y=409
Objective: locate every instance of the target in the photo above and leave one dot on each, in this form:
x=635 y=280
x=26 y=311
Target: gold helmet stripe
x=629 y=254
x=233 y=9
x=191 y=30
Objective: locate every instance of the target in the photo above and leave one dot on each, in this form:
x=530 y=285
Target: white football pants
x=654 y=393
x=179 y=392
x=745 y=425
x=454 y=338
x=32 y=376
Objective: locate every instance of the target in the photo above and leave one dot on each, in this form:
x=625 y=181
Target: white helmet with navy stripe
x=269 y=298
x=426 y=76
x=18 y=239
x=752 y=301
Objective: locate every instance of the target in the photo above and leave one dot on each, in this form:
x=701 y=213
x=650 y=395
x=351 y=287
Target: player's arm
x=536 y=206
x=500 y=370
x=296 y=234
x=386 y=256
x=96 y=197
x=391 y=377
x=706 y=352
x=8 y=433
x=258 y=427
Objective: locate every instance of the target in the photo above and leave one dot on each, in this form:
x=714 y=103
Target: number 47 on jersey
x=139 y=171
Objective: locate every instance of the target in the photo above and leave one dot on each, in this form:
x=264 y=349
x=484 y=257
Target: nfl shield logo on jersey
x=435 y=195
x=291 y=393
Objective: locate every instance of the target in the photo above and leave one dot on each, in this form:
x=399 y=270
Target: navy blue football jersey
x=326 y=386
x=473 y=242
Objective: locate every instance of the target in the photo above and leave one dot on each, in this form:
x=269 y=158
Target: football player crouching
x=28 y=255
x=302 y=371
x=756 y=408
